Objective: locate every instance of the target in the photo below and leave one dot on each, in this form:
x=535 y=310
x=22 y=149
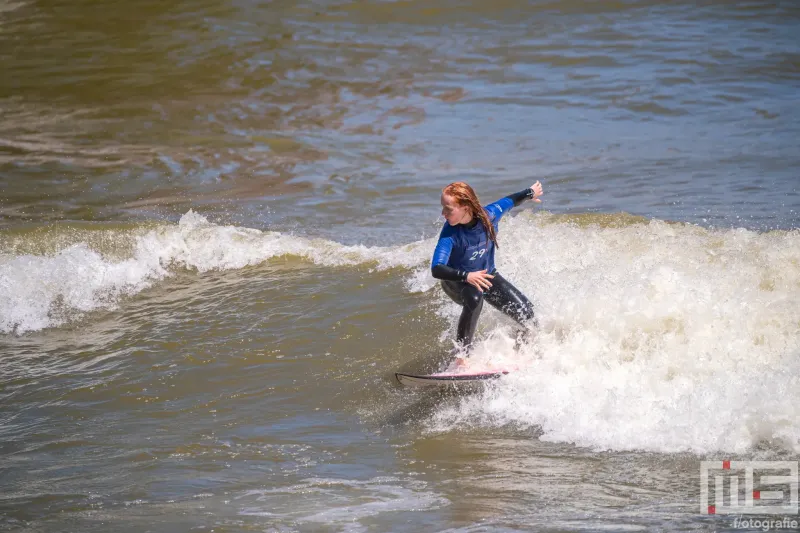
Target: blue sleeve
x=499 y=208
x=443 y=248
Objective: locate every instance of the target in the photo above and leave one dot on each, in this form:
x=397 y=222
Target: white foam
x=343 y=503
x=40 y=291
x=654 y=336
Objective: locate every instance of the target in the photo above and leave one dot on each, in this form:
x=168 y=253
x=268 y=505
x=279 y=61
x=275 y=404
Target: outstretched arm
x=533 y=192
x=502 y=206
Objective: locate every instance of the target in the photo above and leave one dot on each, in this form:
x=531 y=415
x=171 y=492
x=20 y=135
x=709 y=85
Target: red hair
x=465 y=196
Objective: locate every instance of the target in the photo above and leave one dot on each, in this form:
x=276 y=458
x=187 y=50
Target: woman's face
x=454 y=213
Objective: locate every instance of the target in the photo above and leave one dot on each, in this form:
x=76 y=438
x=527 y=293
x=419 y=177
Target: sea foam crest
x=40 y=291
x=653 y=336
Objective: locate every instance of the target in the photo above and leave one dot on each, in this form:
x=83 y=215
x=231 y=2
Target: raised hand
x=537 y=191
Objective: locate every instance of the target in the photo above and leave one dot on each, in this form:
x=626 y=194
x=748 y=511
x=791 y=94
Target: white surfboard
x=440 y=379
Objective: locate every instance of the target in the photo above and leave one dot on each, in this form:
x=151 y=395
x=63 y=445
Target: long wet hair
x=465 y=196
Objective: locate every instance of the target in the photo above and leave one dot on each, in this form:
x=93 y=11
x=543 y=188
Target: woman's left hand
x=537 y=191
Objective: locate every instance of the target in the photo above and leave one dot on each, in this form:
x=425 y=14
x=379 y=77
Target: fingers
x=483 y=283
x=484 y=277
x=537 y=191
x=480 y=280
x=484 y=274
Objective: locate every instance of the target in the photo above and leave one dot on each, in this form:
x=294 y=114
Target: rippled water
x=216 y=220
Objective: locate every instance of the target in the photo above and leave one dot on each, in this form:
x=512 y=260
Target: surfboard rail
x=427 y=380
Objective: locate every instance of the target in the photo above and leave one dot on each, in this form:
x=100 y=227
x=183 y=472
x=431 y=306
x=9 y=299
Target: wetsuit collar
x=471 y=224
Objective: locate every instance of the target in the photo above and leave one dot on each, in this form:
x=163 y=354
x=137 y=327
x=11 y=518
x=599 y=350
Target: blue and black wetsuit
x=466 y=248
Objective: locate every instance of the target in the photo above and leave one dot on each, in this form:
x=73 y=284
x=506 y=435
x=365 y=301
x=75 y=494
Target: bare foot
x=460 y=363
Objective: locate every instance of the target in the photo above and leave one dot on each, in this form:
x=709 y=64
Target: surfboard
x=434 y=380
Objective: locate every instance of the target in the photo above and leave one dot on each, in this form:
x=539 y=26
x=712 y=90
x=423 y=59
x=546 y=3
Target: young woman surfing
x=464 y=257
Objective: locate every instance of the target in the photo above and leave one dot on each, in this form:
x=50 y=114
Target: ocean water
x=216 y=223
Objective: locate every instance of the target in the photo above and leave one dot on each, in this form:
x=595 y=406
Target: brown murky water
x=216 y=220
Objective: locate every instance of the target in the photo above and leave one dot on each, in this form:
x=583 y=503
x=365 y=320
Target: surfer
x=464 y=258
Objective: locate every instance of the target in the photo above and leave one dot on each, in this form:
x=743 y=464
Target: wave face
x=654 y=336
x=86 y=274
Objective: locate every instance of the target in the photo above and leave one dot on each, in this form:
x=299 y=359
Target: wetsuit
x=466 y=248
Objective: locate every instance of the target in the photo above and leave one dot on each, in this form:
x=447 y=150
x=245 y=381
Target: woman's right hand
x=480 y=280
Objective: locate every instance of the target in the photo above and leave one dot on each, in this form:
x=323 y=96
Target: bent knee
x=472 y=298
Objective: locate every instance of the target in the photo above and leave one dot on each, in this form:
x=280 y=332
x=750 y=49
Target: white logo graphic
x=756 y=501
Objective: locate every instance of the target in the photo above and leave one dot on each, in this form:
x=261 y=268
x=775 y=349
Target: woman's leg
x=507 y=298
x=471 y=300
